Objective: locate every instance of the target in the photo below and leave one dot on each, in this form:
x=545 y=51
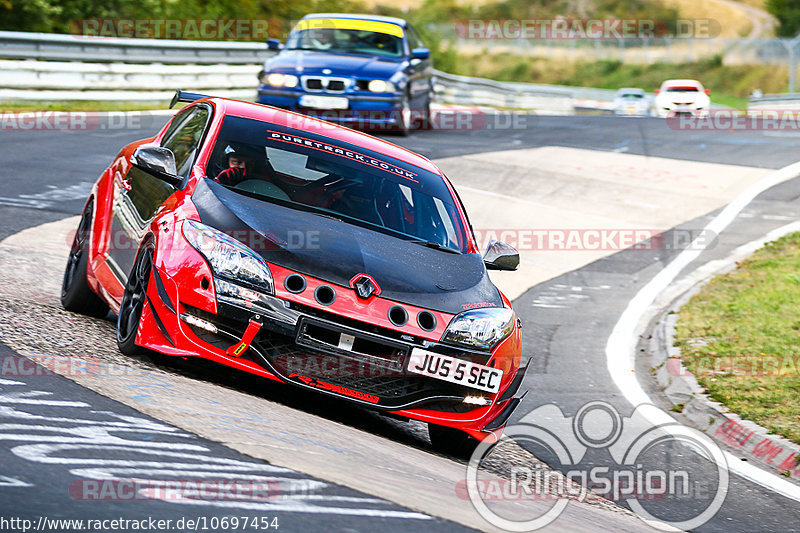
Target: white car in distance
x=632 y=102
x=682 y=96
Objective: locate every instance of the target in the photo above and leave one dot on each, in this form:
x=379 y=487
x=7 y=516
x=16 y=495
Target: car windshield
x=683 y=89
x=631 y=95
x=305 y=171
x=352 y=41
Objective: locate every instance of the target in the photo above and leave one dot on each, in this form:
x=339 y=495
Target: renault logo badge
x=364 y=286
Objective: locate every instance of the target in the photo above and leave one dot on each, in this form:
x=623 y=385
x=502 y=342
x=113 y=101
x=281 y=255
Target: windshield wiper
x=326 y=215
x=314 y=49
x=435 y=246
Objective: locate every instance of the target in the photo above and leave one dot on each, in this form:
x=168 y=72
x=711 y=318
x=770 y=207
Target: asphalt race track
x=62 y=432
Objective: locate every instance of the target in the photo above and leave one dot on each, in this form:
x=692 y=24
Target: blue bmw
x=363 y=71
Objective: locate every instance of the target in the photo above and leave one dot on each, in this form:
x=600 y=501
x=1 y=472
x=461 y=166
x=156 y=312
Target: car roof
x=356 y=16
x=630 y=90
x=688 y=83
x=320 y=127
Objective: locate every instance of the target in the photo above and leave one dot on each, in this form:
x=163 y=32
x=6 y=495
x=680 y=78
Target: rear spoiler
x=182 y=96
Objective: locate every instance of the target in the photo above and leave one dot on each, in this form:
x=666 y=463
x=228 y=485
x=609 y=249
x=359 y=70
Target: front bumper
x=671 y=110
x=364 y=108
x=300 y=345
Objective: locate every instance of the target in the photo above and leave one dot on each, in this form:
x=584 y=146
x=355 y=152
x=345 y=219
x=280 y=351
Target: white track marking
x=27 y=398
x=6 y=481
x=621 y=345
x=81 y=446
x=49 y=198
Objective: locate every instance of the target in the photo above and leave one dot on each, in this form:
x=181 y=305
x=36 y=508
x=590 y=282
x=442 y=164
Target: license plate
x=454 y=370
x=324 y=102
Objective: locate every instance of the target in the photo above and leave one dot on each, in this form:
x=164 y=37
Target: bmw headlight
x=381 y=86
x=228 y=257
x=277 y=79
x=480 y=328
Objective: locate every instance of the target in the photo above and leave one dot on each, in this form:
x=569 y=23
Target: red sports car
x=306 y=253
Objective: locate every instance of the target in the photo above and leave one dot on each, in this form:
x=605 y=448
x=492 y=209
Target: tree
x=27 y=15
x=788 y=14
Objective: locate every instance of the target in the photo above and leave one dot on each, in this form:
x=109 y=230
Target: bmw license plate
x=324 y=102
x=454 y=370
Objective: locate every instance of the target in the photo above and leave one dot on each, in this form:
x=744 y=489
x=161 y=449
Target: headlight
x=228 y=257
x=380 y=86
x=480 y=328
x=280 y=80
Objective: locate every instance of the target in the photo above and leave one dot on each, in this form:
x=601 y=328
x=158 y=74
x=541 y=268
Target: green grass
x=730 y=85
x=740 y=335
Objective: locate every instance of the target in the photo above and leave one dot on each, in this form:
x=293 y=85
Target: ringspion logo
x=671 y=476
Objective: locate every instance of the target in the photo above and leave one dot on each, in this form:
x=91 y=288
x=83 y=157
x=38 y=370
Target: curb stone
x=751 y=441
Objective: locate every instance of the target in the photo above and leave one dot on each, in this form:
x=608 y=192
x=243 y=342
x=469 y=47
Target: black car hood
x=304 y=62
x=336 y=251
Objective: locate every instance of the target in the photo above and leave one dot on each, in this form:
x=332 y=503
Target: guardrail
x=72 y=80
x=464 y=90
x=74 y=67
x=786 y=101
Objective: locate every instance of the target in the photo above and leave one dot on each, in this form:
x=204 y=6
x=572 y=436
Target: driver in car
x=241 y=160
x=322 y=39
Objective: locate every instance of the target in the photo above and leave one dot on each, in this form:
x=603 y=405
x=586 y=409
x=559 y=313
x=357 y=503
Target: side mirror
x=501 y=256
x=708 y=91
x=158 y=162
x=420 y=53
x=657 y=91
x=273 y=44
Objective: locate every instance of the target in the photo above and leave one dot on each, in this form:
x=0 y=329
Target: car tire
x=133 y=300
x=76 y=296
x=426 y=120
x=452 y=441
x=404 y=117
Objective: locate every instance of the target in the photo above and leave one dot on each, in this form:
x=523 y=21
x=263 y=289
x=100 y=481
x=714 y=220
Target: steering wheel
x=335 y=187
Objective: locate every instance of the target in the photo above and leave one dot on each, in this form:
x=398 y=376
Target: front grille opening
x=314 y=84
x=323 y=335
x=383 y=387
x=358 y=345
x=450 y=406
x=214 y=339
x=336 y=85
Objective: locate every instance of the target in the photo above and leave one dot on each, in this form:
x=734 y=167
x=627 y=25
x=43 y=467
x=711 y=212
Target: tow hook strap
x=250 y=333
